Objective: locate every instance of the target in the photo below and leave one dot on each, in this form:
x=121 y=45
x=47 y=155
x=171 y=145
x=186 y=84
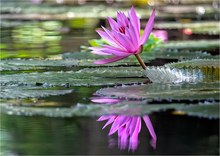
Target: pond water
x=65 y=122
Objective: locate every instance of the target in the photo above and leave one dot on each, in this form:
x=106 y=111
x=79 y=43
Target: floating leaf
x=202 y=27
x=156 y=91
x=197 y=70
x=201 y=110
x=182 y=54
x=196 y=63
x=125 y=108
x=10 y=92
x=62 y=78
x=112 y=72
x=168 y=75
x=192 y=44
x=16 y=64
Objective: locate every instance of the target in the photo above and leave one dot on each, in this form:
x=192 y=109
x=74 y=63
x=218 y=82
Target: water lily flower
x=128 y=128
x=124 y=37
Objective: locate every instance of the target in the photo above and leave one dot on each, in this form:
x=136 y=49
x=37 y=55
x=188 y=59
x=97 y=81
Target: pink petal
x=109 y=60
x=106 y=37
x=130 y=33
x=135 y=21
x=108 y=50
x=116 y=52
x=97 y=50
x=104 y=117
x=111 y=120
x=111 y=34
x=124 y=41
x=99 y=53
x=104 y=100
x=113 y=24
x=150 y=127
x=122 y=20
x=148 y=28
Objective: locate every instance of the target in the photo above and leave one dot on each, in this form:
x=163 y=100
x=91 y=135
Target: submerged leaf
x=158 y=92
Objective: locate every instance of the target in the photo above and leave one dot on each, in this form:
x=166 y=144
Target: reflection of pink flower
x=128 y=129
x=104 y=100
x=124 y=37
x=162 y=34
x=36 y=1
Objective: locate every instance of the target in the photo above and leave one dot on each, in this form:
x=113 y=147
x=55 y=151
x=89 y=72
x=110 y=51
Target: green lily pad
x=113 y=72
x=156 y=91
x=86 y=58
x=203 y=27
x=32 y=64
x=71 y=77
x=197 y=70
x=124 y=108
x=196 y=63
x=201 y=110
x=192 y=44
x=182 y=54
x=12 y=92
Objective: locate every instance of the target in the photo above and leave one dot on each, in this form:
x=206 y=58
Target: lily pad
x=31 y=64
x=113 y=72
x=196 y=63
x=192 y=44
x=197 y=70
x=86 y=58
x=204 y=27
x=125 y=108
x=158 y=92
x=10 y=92
x=182 y=54
x=201 y=110
x=71 y=77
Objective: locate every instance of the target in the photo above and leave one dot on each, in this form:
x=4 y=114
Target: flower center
x=122 y=29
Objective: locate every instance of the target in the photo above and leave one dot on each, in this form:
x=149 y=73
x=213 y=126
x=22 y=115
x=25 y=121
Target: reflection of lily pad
x=62 y=78
x=29 y=92
x=154 y=91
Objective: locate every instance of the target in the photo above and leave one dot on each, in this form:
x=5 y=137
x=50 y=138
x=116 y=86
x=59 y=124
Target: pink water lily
x=124 y=37
x=128 y=128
